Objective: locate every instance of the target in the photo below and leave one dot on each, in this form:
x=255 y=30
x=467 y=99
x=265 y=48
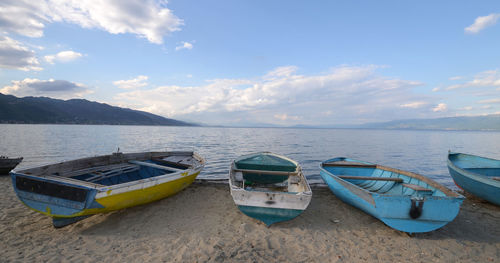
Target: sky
x=258 y=62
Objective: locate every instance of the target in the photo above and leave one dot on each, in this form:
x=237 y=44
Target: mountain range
x=43 y=110
x=485 y=122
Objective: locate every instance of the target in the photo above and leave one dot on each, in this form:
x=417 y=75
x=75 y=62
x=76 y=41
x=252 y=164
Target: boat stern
x=270 y=207
x=51 y=198
x=417 y=214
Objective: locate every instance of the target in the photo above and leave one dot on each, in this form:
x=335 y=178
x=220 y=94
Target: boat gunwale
x=297 y=165
x=474 y=176
x=449 y=193
x=102 y=188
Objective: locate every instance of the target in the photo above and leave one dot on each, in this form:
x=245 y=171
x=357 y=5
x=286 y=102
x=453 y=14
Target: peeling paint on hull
x=270 y=215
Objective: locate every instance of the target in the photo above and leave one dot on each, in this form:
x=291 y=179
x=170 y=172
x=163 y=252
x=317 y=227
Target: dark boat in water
x=7 y=164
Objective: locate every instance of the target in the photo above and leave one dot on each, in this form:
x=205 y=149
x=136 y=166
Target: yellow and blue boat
x=269 y=187
x=73 y=190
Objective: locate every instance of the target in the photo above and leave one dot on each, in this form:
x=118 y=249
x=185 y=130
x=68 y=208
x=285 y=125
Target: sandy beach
x=202 y=224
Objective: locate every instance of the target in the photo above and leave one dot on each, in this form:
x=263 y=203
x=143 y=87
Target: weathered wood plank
x=103 y=175
x=155 y=166
x=95 y=169
x=417 y=187
x=266 y=172
x=398 y=180
x=168 y=162
x=350 y=164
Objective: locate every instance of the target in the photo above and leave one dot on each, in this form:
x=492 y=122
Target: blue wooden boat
x=73 y=190
x=269 y=187
x=477 y=175
x=403 y=200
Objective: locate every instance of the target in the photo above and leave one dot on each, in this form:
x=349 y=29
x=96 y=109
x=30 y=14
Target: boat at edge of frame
x=7 y=164
x=477 y=175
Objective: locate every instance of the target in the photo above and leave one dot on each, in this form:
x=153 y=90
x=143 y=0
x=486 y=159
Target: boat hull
x=270 y=207
x=270 y=215
x=394 y=210
x=101 y=201
x=475 y=183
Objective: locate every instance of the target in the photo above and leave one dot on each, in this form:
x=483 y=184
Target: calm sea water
x=422 y=152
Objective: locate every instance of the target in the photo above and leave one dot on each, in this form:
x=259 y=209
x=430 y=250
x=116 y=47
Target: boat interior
x=478 y=165
x=132 y=171
x=127 y=170
x=291 y=182
x=384 y=180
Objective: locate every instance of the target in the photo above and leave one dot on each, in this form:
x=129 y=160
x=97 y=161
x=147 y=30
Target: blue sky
x=248 y=62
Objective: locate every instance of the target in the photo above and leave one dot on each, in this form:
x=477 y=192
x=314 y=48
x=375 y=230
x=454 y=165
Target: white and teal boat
x=269 y=187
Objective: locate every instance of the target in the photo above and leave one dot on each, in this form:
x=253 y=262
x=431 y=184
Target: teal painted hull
x=270 y=215
x=472 y=173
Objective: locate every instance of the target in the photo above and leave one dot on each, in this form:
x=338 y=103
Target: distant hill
x=38 y=110
x=487 y=122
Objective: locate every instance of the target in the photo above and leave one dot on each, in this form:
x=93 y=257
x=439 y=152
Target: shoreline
x=202 y=224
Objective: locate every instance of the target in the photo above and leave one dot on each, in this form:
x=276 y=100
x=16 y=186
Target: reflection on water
x=422 y=152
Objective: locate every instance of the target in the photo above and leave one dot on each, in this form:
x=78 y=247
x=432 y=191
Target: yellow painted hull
x=114 y=202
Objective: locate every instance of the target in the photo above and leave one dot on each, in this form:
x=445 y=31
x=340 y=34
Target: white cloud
x=14 y=55
x=185 y=45
x=481 y=23
x=62 y=89
x=490 y=78
x=281 y=72
x=145 y=18
x=355 y=94
x=467 y=108
x=440 y=107
x=63 y=56
x=414 y=105
x=285 y=117
x=435 y=89
x=490 y=101
x=456 y=78
x=138 y=82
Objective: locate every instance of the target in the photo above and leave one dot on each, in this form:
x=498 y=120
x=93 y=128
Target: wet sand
x=202 y=224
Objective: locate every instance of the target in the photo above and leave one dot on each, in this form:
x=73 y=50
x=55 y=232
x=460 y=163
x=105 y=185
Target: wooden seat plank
x=266 y=172
x=417 y=187
x=152 y=165
x=350 y=164
x=374 y=178
x=168 y=162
